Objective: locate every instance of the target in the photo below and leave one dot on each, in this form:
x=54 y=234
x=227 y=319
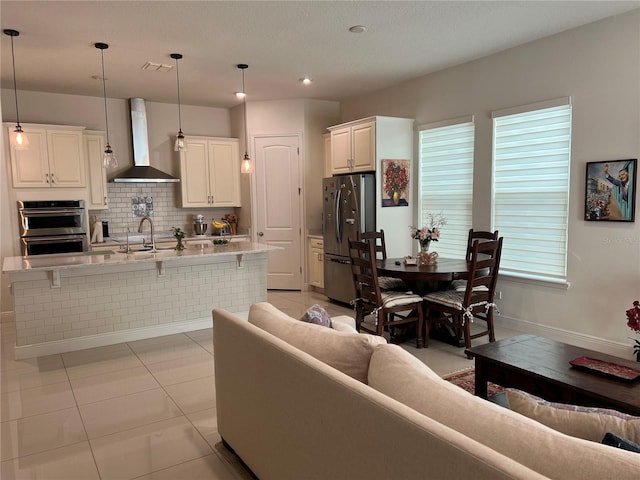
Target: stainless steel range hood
x=142 y=171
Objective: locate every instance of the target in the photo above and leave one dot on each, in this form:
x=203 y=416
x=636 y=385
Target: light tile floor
x=143 y=409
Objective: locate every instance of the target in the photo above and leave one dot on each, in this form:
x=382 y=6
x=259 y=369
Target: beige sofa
x=302 y=401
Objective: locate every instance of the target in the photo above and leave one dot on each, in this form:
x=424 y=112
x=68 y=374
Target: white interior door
x=278 y=208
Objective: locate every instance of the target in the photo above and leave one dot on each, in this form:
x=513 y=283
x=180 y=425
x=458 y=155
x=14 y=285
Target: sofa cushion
x=348 y=352
x=344 y=323
x=583 y=422
x=403 y=377
x=317 y=315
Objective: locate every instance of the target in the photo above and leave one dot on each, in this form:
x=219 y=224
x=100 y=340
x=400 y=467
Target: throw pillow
x=615 y=441
x=318 y=315
x=348 y=352
x=401 y=376
x=583 y=422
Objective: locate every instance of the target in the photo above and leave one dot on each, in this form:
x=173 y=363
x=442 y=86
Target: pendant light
x=180 y=145
x=19 y=139
x=247 y=165
x=109 y=159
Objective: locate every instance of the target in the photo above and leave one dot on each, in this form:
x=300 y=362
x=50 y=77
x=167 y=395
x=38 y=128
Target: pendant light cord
x=15 y=88
x=178 y=83
x=244 y=101
x=104 y=90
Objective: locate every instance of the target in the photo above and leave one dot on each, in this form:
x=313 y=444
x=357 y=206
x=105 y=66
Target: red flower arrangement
x=396 y=179
x=633 y=322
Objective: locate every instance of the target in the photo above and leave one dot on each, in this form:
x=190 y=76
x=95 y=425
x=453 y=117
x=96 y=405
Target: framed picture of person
x=610 y=191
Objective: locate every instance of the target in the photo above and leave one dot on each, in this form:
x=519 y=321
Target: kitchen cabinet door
x=30 y=167
x=55 y=158
x=210 y=172
x=224 y=171
x=66 y=158
x=327 y=154
x=341 y=151
x=353 y=148
x=316 y=263
x=94 y=148
x=194 y=174
x=363 y=147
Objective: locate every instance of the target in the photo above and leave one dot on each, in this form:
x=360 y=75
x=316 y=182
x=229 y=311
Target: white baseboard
x=616 y=349
x=110 y=338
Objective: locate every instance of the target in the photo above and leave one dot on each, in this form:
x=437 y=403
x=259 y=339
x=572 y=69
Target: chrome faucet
x=153 y=237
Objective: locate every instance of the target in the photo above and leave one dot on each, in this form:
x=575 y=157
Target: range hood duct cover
x=142 y=171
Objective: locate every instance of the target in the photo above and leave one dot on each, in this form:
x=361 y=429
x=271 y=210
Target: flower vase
x=426 y=257
x=180 y=245
x=396 y=197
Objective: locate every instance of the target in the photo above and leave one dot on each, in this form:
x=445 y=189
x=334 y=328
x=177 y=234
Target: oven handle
x=48 y=213
x=62 y=239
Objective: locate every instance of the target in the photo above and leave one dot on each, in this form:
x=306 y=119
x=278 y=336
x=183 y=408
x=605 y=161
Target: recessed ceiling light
x=305 y=80
x=357 y=29
x=240 y=94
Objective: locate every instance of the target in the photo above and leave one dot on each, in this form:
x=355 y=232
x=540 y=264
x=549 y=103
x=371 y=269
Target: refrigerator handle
x=338 y=217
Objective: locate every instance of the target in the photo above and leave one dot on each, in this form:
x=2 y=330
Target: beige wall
x=599 y=66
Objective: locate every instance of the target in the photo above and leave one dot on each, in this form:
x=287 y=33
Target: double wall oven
x=52 y=226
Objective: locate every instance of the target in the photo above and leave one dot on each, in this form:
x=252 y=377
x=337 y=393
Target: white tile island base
x=67 y=303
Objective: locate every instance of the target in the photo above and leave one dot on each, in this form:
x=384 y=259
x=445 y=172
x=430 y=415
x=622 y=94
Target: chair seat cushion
x=398 y=299
x=461 y=286
x=449 y=298
x=391 y=283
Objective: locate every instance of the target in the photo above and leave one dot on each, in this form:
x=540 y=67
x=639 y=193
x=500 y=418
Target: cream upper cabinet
x=210 y=172
x=93 y=150
x=353 y=147
x=359 y=146
x=327 y=154
x=54 y=158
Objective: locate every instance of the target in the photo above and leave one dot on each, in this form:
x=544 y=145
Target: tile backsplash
x=165 y=198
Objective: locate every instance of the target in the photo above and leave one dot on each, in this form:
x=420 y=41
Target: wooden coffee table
x=541 y=366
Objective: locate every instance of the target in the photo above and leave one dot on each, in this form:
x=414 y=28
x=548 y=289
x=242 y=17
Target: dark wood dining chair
x=380 y=248
x=456 y=309
x=481 y=235
x=388 y=309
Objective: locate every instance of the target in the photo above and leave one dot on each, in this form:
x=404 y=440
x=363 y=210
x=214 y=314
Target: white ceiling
x=281 y=42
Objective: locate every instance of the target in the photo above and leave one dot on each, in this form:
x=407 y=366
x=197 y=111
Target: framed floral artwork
x=396 y=178
x=610 y=191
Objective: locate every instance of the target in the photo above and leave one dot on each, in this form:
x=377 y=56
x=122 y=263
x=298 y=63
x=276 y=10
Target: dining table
x=423 y=279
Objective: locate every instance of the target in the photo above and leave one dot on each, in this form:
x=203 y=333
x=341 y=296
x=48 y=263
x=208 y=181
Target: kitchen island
x=68 y=302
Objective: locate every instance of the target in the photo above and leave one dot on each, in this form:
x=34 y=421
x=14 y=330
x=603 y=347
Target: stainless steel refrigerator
x=349 y=208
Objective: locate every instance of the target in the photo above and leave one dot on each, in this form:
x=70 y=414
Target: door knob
x=260 y=234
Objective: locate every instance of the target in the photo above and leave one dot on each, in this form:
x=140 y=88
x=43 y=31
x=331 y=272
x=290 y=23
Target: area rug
x=465 y=379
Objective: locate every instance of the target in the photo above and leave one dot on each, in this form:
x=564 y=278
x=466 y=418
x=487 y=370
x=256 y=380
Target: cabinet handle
x=47 y=177
x=105 y=201
x=53 y=178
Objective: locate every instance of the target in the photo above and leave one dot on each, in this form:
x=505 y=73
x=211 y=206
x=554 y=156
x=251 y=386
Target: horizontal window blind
x=531 y=162
x=446 y=183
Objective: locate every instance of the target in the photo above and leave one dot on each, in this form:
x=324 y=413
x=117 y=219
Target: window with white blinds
x=531 y=160
x=446 y=183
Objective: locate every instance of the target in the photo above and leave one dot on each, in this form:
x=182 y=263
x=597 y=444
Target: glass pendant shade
x=180 y=145
x=109 y=159
x=247 y=164
x=19 y=139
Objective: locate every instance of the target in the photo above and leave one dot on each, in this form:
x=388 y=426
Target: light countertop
x=63 y=261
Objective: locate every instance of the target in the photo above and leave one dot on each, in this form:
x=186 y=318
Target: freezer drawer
x=338 y=281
